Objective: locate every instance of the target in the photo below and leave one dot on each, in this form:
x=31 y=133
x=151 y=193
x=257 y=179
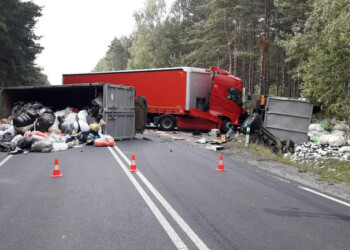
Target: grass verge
x=330 y=170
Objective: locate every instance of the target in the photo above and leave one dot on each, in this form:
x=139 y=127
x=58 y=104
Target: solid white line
x=157 y=213
x=325 y=196
x=5 y=160
x=185 y=227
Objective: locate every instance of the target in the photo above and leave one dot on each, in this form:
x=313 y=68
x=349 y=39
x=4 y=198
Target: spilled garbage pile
x=328 y=140
x=35 y=128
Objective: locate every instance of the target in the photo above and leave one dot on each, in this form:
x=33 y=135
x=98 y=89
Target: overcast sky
x=76 y=33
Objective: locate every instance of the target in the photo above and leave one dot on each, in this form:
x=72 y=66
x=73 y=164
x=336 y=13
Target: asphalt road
x=176 y=200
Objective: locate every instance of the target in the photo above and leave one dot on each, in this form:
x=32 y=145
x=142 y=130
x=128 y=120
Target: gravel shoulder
x=284 y=171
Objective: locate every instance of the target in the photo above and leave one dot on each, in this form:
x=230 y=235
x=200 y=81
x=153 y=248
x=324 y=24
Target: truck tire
x=167 y=122
x=255 y=121
x=227 y=125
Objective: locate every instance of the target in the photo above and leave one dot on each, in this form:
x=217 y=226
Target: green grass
x=331 y=170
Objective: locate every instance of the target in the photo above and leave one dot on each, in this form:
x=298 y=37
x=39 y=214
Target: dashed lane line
x=184 y=226
x=157 y=213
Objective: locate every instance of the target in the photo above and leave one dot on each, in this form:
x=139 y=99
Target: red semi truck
x=186 y=97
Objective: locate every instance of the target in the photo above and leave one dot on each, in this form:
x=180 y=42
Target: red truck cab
x=226 y=98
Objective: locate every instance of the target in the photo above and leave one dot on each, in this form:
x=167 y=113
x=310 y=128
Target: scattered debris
x=308 y=152
x=202 y=141
x=215 y=133
x=214 y=147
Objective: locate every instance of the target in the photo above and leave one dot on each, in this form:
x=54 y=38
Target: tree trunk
x=229 y=51
x=278 y=72
x=252 y=63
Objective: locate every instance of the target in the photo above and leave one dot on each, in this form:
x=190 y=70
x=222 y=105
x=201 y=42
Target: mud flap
x=141 y=114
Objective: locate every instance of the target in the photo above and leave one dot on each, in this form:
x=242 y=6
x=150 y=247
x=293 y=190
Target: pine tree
x=18 y=44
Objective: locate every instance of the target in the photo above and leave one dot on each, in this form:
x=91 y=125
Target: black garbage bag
x=37 y=106
x=7 y=137
x=5 y=147
x=32 y=113
x=49 y=111
x=23 y=120
x=44 y=122
x=93 y=111
x=26 y=142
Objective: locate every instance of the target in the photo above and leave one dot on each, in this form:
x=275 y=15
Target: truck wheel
x=167 y=123
x=226 y=125
x=255 y=121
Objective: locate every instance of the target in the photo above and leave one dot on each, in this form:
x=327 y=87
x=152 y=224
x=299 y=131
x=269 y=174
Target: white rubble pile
x=309 y=152
x=327 y=141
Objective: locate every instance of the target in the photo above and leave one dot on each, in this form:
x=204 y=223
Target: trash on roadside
x=214 y=133
x=106 y=141
x=202 y=141
x=44 y=146
x=59 y=146
x=214 y=147
x=222 y=140
x=33 y=127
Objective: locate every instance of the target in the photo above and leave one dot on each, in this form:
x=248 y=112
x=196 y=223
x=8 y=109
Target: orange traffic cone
x=221 y=164
x=133 y=164
x=56 y=171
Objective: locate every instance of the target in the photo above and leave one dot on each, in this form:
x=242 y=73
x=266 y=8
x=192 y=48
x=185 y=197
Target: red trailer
x=188 y=98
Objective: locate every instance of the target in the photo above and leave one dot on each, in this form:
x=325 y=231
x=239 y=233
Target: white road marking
x=157 y=213
x=325 y=196
x=5 y=160
x=185 y=227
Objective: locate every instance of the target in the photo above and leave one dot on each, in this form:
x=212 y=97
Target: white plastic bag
x=59 y=146
x=315 y=127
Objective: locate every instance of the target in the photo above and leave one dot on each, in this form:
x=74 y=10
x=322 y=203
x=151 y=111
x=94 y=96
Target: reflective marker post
x=247 y=135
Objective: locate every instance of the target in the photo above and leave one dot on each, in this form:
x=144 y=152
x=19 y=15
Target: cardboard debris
x=215 y=147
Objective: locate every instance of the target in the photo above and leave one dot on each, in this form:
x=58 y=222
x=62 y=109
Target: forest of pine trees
x=287 y=48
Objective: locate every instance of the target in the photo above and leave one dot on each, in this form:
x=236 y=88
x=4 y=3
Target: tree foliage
x=291 y=47
x=18 y=44
x=323 y=54
x=116 y=57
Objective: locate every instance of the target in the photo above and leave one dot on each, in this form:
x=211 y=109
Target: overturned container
x=288 y=118
x=124 y=116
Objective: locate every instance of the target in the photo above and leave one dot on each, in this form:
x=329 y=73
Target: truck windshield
x=234 y=95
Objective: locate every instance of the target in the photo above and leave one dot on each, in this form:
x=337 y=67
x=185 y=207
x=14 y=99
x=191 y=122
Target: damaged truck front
x=113 y=106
